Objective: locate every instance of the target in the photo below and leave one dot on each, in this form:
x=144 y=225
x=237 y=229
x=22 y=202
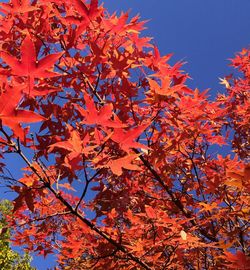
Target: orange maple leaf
x=116 y=165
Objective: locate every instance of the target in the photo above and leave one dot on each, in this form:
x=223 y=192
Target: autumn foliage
x=126 y=166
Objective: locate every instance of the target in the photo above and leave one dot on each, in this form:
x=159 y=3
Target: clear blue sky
x=203 y=33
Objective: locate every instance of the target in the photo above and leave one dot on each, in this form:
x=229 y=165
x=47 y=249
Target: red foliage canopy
x=121 y=171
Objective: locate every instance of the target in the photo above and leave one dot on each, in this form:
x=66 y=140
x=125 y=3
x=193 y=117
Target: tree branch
x=174 y=199
x=74 y=211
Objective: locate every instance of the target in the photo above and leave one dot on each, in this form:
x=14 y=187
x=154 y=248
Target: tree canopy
x=126 y=166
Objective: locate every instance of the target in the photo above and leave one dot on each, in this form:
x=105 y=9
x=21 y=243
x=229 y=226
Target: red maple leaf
x=87 y=13
x=94 y=117
x=11 y=115
x=126 y=139
x=29 y=66
x=17 y=7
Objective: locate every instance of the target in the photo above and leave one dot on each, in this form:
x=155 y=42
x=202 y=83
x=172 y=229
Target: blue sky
x=203 y=33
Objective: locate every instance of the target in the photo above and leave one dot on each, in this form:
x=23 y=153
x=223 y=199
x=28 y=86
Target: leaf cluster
x=126 y=166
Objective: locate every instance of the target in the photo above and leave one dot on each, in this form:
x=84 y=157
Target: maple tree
x=121 y=171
